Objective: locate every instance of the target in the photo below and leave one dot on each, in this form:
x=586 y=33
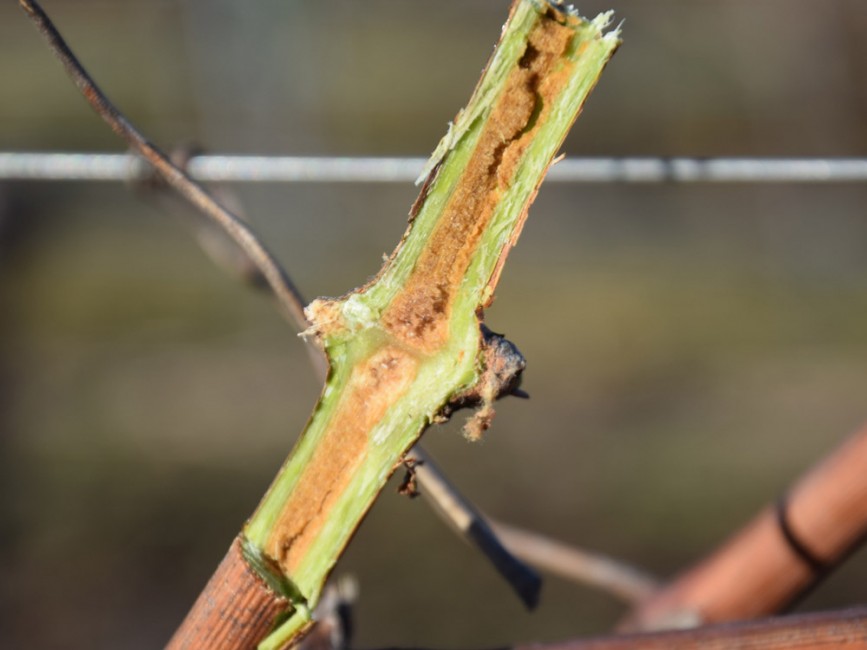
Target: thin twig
x=284 y=290
x=472 y=526
x=594 y=570
x=628 y=583
x=288 y=296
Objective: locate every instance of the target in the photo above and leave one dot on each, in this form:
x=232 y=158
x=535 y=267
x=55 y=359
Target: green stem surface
x=404 y=345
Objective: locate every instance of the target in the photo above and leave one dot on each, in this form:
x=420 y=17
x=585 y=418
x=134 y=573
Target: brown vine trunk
x=235 y=606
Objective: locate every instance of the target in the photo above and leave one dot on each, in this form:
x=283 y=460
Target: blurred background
x=691 y=349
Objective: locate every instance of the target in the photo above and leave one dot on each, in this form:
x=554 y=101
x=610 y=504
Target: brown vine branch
x=249 y=610
x=846 y=629
x=779 y=556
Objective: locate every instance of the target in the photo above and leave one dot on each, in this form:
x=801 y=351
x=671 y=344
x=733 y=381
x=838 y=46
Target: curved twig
x=473 y=527
x=284 y=290
x=630 y=584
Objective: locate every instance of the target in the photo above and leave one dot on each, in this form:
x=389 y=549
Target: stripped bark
x=405 y=347
x=408 y=345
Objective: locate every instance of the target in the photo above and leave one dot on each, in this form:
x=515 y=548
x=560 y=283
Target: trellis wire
x=303 y=169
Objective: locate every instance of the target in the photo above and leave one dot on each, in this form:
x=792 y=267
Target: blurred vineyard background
x=691 y=348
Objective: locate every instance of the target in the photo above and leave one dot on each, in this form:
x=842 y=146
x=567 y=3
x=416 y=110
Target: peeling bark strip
x=408 y=345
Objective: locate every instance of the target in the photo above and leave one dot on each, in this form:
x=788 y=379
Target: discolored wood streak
x=374 y=386
x=235 y=610
x=419 y=316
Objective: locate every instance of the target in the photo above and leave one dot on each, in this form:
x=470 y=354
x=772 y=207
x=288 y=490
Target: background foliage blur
x=691 y=348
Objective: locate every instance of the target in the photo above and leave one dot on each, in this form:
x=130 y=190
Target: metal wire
x=298 y=169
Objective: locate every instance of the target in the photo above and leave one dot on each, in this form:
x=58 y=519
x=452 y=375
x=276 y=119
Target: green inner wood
x=455 y=366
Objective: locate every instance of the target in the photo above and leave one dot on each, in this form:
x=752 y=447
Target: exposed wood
x=419 y=316
x=374 y=386
x=218 y=233
x=406 y=345
x=402 y=347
